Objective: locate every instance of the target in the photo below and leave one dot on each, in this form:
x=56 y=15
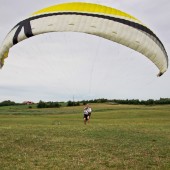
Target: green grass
x=118 y=137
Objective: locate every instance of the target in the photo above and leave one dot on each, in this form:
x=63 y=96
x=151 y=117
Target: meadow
x=117 y=137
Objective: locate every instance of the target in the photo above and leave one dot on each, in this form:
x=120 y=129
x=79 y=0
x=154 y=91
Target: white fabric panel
x=7 y=43
x=108 y=29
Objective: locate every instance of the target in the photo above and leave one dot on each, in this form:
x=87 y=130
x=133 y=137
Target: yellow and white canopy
x=102 y=21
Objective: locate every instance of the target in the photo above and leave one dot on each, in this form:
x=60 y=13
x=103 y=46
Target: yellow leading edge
x=85 y=7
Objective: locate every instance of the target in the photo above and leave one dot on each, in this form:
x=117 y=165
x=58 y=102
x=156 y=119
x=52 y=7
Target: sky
x=77 y=66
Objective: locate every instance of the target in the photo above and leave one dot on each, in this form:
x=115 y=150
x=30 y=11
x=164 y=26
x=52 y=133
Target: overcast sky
x=60 y=66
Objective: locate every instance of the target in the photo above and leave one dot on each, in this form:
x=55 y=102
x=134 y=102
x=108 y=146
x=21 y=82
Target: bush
x=42 y=104
x=7 y=103
x=70 y=103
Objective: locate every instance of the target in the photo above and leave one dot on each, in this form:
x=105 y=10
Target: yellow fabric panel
x=4 y=56
x=85 y=8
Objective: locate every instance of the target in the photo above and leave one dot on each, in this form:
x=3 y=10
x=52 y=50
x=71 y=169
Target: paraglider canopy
x=99 y=20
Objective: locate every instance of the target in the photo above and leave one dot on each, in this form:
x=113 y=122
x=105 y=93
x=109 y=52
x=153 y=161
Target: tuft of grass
x=117 y=137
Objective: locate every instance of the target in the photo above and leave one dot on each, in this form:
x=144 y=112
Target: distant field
x=118 y=137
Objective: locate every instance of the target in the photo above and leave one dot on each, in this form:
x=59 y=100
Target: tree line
x=42 y=104
x=161 y=101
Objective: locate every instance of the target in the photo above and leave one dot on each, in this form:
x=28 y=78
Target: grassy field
x=118 y=137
